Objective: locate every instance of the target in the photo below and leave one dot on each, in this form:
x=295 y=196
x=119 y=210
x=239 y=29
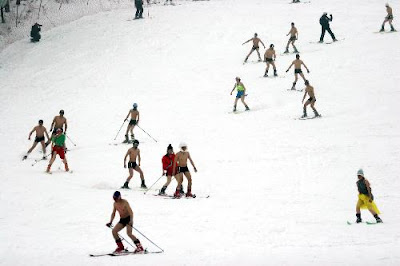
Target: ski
x=371 y=223
x=382 y=32
x=308 y=117
x=294 y=90
x=367 y=222
x=113 y=254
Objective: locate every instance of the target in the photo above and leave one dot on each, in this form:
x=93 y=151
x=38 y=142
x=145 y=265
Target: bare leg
x=168 y=181
x=33 y=146
x=53 y=157
x=258 y=53
x=302 y=75
x=247 y=57
x=129 y=233
x=242 y=99
x=287 y=46
x=118 y=227
x=43 y=148
x=130 y=174
x=137 y=168
x=315 y=110
x=189 y=179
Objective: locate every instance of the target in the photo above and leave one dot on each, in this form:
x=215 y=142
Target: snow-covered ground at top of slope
x=281 y=189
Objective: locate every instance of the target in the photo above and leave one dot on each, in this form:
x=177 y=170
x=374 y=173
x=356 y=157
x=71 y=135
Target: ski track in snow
x=281 y=189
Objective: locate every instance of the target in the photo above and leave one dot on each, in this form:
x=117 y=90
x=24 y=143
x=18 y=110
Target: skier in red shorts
x=167 y=161
x=58 y=147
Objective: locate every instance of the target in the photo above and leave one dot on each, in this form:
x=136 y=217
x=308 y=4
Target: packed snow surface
x=281 y=189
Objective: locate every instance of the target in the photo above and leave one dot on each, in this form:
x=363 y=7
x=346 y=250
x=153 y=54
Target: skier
x=133 y=153
x=297 y=70
x=58 y=148
x=170 y=2
x=388 y=18
x=35 y=32
x=167 y=161
x=241 y=93
x=59 y=121
x=255 y=47
x=40 y=132
x=126 y=219
x=270 y=57
x=139 y=9
x=365 y=198
x=180 y=161
x=134 y=113
x=294 y=35
x=311 y=101
x=324 y=21
x=296 y=1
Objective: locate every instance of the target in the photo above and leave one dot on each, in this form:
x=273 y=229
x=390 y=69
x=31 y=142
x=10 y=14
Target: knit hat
x=170 y=147
x=360 y=172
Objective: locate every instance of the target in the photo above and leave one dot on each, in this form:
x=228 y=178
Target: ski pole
x=111 y=227
x=153 y=184
x=146 y=133
x=36 y=161
x=146 y=238
x=71 y=140
x=119 y=130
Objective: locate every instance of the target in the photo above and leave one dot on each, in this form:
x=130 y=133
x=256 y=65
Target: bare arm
x=129 y=209
x=247 y=41
x=290 y=67
x=139 y=159
x=262 y=43
x=305 y=93
x=126 y=155
x=126 y=118
x=305 y=67
x=47 y=135
x=53 y=124
x=112 y=215
x=191 y=161
x=30 y=133
x=138 y=117
x=66 y=126
x=234 y=86
x=274 y=55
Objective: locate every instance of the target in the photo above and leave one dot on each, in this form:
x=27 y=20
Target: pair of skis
x=124 y=253
x=367 y=222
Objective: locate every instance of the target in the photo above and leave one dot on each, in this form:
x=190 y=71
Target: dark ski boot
x=162 y=191
x=234 y=108
x=392 y=29
x=126 y=185
x=126 y=139
x=377 y=218
x=25 y=157
x=247 y=108
x=143 y=185
x=275 y=74
x=359 y=220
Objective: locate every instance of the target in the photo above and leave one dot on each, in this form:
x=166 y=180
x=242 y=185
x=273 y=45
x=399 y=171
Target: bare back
x=123 y=208
x=134 y=114
x=389 y=11
x=293 y=32
x=310 y=91
x=269 y=53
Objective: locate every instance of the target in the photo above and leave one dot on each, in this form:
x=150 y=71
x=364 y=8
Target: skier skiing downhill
x=167 y=161
x=58 y=148
x=297 y=70
x=241 y=93
x=133 y=153
x=365 y=198
x=180 y=167
x=388 y=18
x=311 y=101
x=59 y=121
x=294 y=35
x=270 y=57
x=139 y=9
x=134 y=114
x=256 y=47
x=40 y=132
x=324 y=21
x=126 y=219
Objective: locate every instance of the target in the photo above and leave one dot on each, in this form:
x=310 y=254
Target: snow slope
x=281 y=190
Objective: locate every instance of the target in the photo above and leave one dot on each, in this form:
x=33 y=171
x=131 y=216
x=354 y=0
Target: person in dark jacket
x=35 y=32
x=365 y=198
x=139 y=9
x=324 y=21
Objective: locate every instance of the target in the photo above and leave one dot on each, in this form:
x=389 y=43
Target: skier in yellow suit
x=365 y=198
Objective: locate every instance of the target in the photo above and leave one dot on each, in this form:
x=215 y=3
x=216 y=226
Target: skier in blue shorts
x=241 y=93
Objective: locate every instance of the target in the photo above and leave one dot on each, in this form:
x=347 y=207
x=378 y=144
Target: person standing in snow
x=59 y=121
x=270 y=57
x=365 y=198
x=139 y=9
x=180 y=168
x=297 y=70
x=35 y=32
x=294 y=35
x=134 y=113
x=241 y=93
x=126 y=219
x=133 y=153
x=311 y=101
x=58 y=148
x=388 y=18
x=40 y=132
x=324 y=21
x=167 y=161
x=256 y=46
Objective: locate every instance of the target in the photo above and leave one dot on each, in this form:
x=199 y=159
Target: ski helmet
x=135 y=142
x=134 y=105
x=117 y=195
x=182 y=145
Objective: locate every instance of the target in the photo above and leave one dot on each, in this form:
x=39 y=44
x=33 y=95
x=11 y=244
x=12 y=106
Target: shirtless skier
x=297 y=70
x=388 y=18
x=40 y=132
x=311 y=101
x=269 y=58
x=126 y=219
x=294 y=35
x=180 y=161
x=133 y=153
x=134 y=114
x=256 y=46
x=59 y=121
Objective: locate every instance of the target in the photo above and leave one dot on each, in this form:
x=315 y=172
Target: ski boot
x=234 y=108
x=177 y=194
x=275 y=74
x=286 y=51
x=189 y=194
x=382 y=29
x=377 y=218
x=126 y=139
x=143 y=185
x=48 y=168
x=44 y=157
x=162 y=191
x=25 y=157
x=321 y=41
x=293 y=86
x=265 y=75
x=296 y=51
x=66 y=167
x=304 y=113
x=132 y=137
x=247 y=108
x=316 y=114
x=126 y=185
x=359 y=220
x=120 y=247
x=335 y=40
x=392 y=28
x=139 y=247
